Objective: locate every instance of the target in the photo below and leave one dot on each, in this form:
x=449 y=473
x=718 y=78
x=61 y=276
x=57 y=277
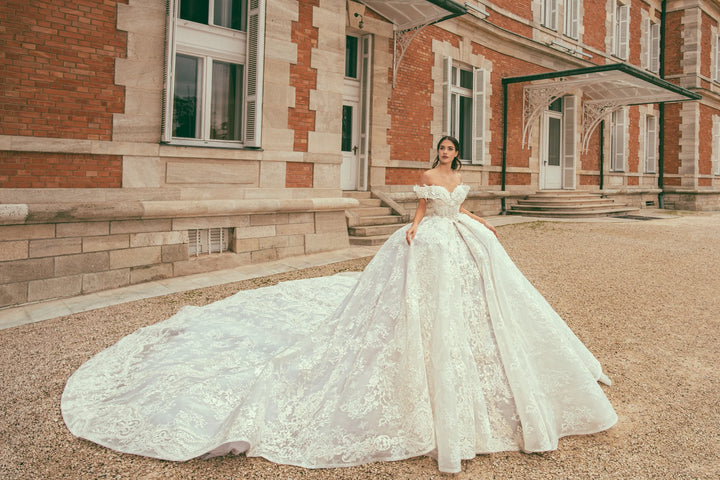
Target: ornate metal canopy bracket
x=401 y=41
x=593 y=113
x=537 y=98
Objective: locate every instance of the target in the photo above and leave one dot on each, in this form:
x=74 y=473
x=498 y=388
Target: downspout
x=661 y=107
x=503 y=207
x=602 y=155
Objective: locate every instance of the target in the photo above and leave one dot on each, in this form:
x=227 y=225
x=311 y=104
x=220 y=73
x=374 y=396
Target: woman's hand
x=410 y=234
x=491 y=228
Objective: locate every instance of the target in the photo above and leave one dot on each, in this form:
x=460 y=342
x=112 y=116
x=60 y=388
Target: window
x=652 y=46
x=617 y=140
x=572 y=18
x=214 y=82
x=464 y=109
x=621 y=31
x=651 y=144
x=716 y=58
x=716 y=144
x=208 y=240
x=550 y=14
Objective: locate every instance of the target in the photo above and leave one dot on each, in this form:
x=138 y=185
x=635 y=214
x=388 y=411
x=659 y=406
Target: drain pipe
x=503 y=208
x=602 y=155
x=661 y=119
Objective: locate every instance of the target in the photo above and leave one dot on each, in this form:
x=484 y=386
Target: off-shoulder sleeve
x=425 y=191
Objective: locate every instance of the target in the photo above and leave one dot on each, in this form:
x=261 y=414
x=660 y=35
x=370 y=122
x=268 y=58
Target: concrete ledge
x=19 y=214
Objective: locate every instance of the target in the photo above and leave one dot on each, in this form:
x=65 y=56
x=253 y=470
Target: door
x=350 y=130
x=356 y=113
x=551 y=153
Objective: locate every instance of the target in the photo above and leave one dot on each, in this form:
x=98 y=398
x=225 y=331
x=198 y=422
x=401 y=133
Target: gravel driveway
x=644 y=296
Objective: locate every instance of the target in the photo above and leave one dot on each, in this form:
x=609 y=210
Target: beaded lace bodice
x=442 y=202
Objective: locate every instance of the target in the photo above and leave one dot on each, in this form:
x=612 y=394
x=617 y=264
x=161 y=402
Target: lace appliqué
x=440 y=348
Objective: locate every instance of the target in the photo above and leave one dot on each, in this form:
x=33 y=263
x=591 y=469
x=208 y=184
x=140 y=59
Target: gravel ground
x=644 y=296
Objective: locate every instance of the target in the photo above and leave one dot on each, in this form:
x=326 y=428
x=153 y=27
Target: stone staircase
x=568 y=204
x=370 y=223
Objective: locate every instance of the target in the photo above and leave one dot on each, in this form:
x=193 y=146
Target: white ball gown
x=441 y=348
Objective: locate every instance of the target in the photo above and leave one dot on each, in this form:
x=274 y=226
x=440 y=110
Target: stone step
x=356 y=194
x=373 y=230
x=563 y=200
x=371 y=211
x=368 y=241
x=370 y=202
x=572 y=213
x=564 y=193
x=568 y=208
x=379 y=220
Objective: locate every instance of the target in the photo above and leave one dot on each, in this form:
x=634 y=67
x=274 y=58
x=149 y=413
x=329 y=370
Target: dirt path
x=644 y=296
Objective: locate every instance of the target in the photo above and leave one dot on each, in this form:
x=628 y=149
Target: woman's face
x=447 y=151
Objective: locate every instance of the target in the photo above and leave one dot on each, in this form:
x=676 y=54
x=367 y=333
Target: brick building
x=149 y=139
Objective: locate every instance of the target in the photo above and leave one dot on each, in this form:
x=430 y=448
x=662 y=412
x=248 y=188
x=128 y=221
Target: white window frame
x=651 y=144
x=550 y=14
x=621 y=31
x=478 y=95
x=618 y=140
x=210 y=43
x=651 y=57
x=716 y=143
x=716 y=58
x=572 y=19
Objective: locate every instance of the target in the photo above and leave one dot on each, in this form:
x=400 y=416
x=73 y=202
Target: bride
x=440 y=347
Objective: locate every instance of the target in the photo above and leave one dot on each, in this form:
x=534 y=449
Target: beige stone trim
x=73 y=212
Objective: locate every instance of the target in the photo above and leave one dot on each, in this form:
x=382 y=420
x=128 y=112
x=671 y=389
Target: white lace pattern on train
x=441 y=348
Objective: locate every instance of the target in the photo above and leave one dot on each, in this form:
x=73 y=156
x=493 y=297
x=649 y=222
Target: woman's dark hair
x=456 y=161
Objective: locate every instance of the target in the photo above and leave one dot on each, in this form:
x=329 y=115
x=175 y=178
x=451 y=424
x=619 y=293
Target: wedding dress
x=441 y=348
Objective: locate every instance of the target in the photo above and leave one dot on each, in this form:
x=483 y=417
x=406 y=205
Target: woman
x=440 y=347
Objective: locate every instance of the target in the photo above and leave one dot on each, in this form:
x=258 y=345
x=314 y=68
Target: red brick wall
x=302 y=76
x=59 y=170
x=58 y=68
x=671 y=148
x=633 y=151
x=673 y=43
x=409 y=106
x=403 y=176
x=298 y=175
x=514 y=178
x=594 y=24
x=706 y=44
x=705 y=139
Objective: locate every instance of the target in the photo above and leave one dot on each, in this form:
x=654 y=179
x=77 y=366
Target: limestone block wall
x=50 y=251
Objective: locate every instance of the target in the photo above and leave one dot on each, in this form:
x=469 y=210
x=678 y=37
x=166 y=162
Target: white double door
x=355 y=140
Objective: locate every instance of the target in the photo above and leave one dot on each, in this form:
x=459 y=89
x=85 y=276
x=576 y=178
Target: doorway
x=551 y=152
x=356 y=113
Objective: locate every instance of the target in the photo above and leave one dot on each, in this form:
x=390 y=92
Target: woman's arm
x=481 y=220
x=419 y=214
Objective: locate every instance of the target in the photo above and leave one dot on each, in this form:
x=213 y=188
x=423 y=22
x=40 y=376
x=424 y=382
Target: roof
x=410 y=14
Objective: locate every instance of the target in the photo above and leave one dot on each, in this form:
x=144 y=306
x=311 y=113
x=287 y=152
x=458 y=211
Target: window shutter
x=478 y=116
x=365 y=99
x=254 y=72
x=551 y=14
x=717 y=58
x=618 y=151
x=650 y=144
x=571 y=18
x=655 y=50
x=569 y=141
x=447 y=91
x=623 y=27
x=169 y=69
x=646 y=54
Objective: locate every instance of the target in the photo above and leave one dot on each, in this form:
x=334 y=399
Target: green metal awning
x=410 y=14
x=603 y=89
